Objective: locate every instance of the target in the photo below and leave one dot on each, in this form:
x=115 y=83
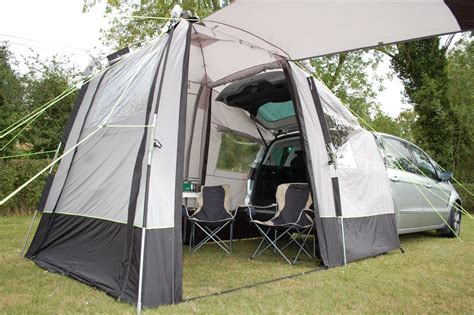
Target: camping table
x=187 y=195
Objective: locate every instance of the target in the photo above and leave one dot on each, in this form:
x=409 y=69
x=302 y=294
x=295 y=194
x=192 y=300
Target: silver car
x=423 y=196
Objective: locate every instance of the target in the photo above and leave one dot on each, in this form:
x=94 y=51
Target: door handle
x=395 y=179
x=428 y=185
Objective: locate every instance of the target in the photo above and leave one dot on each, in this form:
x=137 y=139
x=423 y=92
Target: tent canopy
x=302 y=29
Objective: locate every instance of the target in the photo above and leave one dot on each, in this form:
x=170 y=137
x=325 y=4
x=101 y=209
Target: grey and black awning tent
x=112 y=212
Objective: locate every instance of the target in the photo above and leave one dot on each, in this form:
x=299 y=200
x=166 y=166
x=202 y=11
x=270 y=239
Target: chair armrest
x=187 y=211
x=234 y=211
x=307 y=212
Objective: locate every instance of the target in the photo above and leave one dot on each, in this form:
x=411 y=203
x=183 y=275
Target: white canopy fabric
x=301 y=29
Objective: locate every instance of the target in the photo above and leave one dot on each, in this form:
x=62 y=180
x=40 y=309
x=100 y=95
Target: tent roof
x=308 y=28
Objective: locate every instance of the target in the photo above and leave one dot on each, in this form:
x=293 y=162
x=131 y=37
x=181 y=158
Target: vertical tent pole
x=36 y=211
x=140 y=278
x=28 y=234
x=142 y=247
x=343 y=241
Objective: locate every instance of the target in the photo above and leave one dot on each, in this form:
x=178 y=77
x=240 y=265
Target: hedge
x=467 y=198
x=13 y=173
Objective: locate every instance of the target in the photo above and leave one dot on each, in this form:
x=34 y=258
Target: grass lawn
x=435 y=275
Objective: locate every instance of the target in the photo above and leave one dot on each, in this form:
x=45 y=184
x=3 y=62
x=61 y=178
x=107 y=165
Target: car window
x=398 y=155
x=424 y=163
x=282 y=154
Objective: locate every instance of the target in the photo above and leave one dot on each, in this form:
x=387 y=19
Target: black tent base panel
x=54 y=269
x=89 y=250
x=93 y=251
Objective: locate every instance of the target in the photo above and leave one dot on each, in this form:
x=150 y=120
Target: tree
x=461 y=95
x=11 y=91
x=45 y=80
x=124 y=30
x=346 y=76
x=421 y=66
x=22 y=94
x=406 y=121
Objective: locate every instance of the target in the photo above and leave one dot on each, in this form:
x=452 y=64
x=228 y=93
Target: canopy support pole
x=140 y=276
x=341 y=220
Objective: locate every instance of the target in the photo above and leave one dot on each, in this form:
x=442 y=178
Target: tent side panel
x=73 y=134
x=84 y=231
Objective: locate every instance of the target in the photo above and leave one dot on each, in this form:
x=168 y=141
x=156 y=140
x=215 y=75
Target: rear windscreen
x=272 y=112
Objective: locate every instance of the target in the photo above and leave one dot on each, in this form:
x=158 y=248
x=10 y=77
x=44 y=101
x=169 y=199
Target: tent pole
x=36 y=211
x=145 y=210
x=28 y=234
x=343 y=241
x=140 y=277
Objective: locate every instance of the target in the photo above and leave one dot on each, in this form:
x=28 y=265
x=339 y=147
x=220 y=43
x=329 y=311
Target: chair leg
x=302 y=245
x=275 y=238
x=271 y=243
x=191 y=238
x=212 y=235
x=264 y=239
x=231 y=235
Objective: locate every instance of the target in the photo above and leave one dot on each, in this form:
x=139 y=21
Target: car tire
x=454 y=222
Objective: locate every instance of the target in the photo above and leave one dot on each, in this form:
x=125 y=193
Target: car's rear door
x=436 y=195
x=403 y=180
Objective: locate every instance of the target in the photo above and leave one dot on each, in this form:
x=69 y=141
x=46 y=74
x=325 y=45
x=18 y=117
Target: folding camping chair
x=211 y=216
x=292 y=216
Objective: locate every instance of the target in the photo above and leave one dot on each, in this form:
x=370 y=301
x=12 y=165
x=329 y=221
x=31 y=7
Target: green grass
x=435 y=275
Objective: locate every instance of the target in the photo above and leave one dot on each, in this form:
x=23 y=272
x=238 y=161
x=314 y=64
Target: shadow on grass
x=211 y=271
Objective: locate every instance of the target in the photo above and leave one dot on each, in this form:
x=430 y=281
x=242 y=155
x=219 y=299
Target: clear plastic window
x=237 y=153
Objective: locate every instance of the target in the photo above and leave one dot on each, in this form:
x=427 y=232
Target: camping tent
x=112 y=212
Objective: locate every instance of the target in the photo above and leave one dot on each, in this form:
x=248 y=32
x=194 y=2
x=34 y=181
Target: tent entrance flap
x=266 y=97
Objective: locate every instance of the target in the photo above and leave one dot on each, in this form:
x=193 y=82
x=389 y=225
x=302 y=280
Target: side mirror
x=445 y=176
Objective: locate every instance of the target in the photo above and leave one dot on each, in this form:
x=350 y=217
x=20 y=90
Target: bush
x=467 y=198
x=13 y=173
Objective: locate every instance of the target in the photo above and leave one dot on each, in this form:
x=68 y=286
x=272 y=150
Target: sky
x=58 y=27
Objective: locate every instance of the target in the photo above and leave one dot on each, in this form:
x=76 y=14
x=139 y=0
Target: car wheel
x=454 y=222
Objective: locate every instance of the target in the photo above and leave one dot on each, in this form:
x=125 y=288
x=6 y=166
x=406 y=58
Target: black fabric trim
x=75 y=110
x=319 y=110
x=137 y=171
x=45 y=193
x=463 y=11
x=208 y=138
x=337 y=196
